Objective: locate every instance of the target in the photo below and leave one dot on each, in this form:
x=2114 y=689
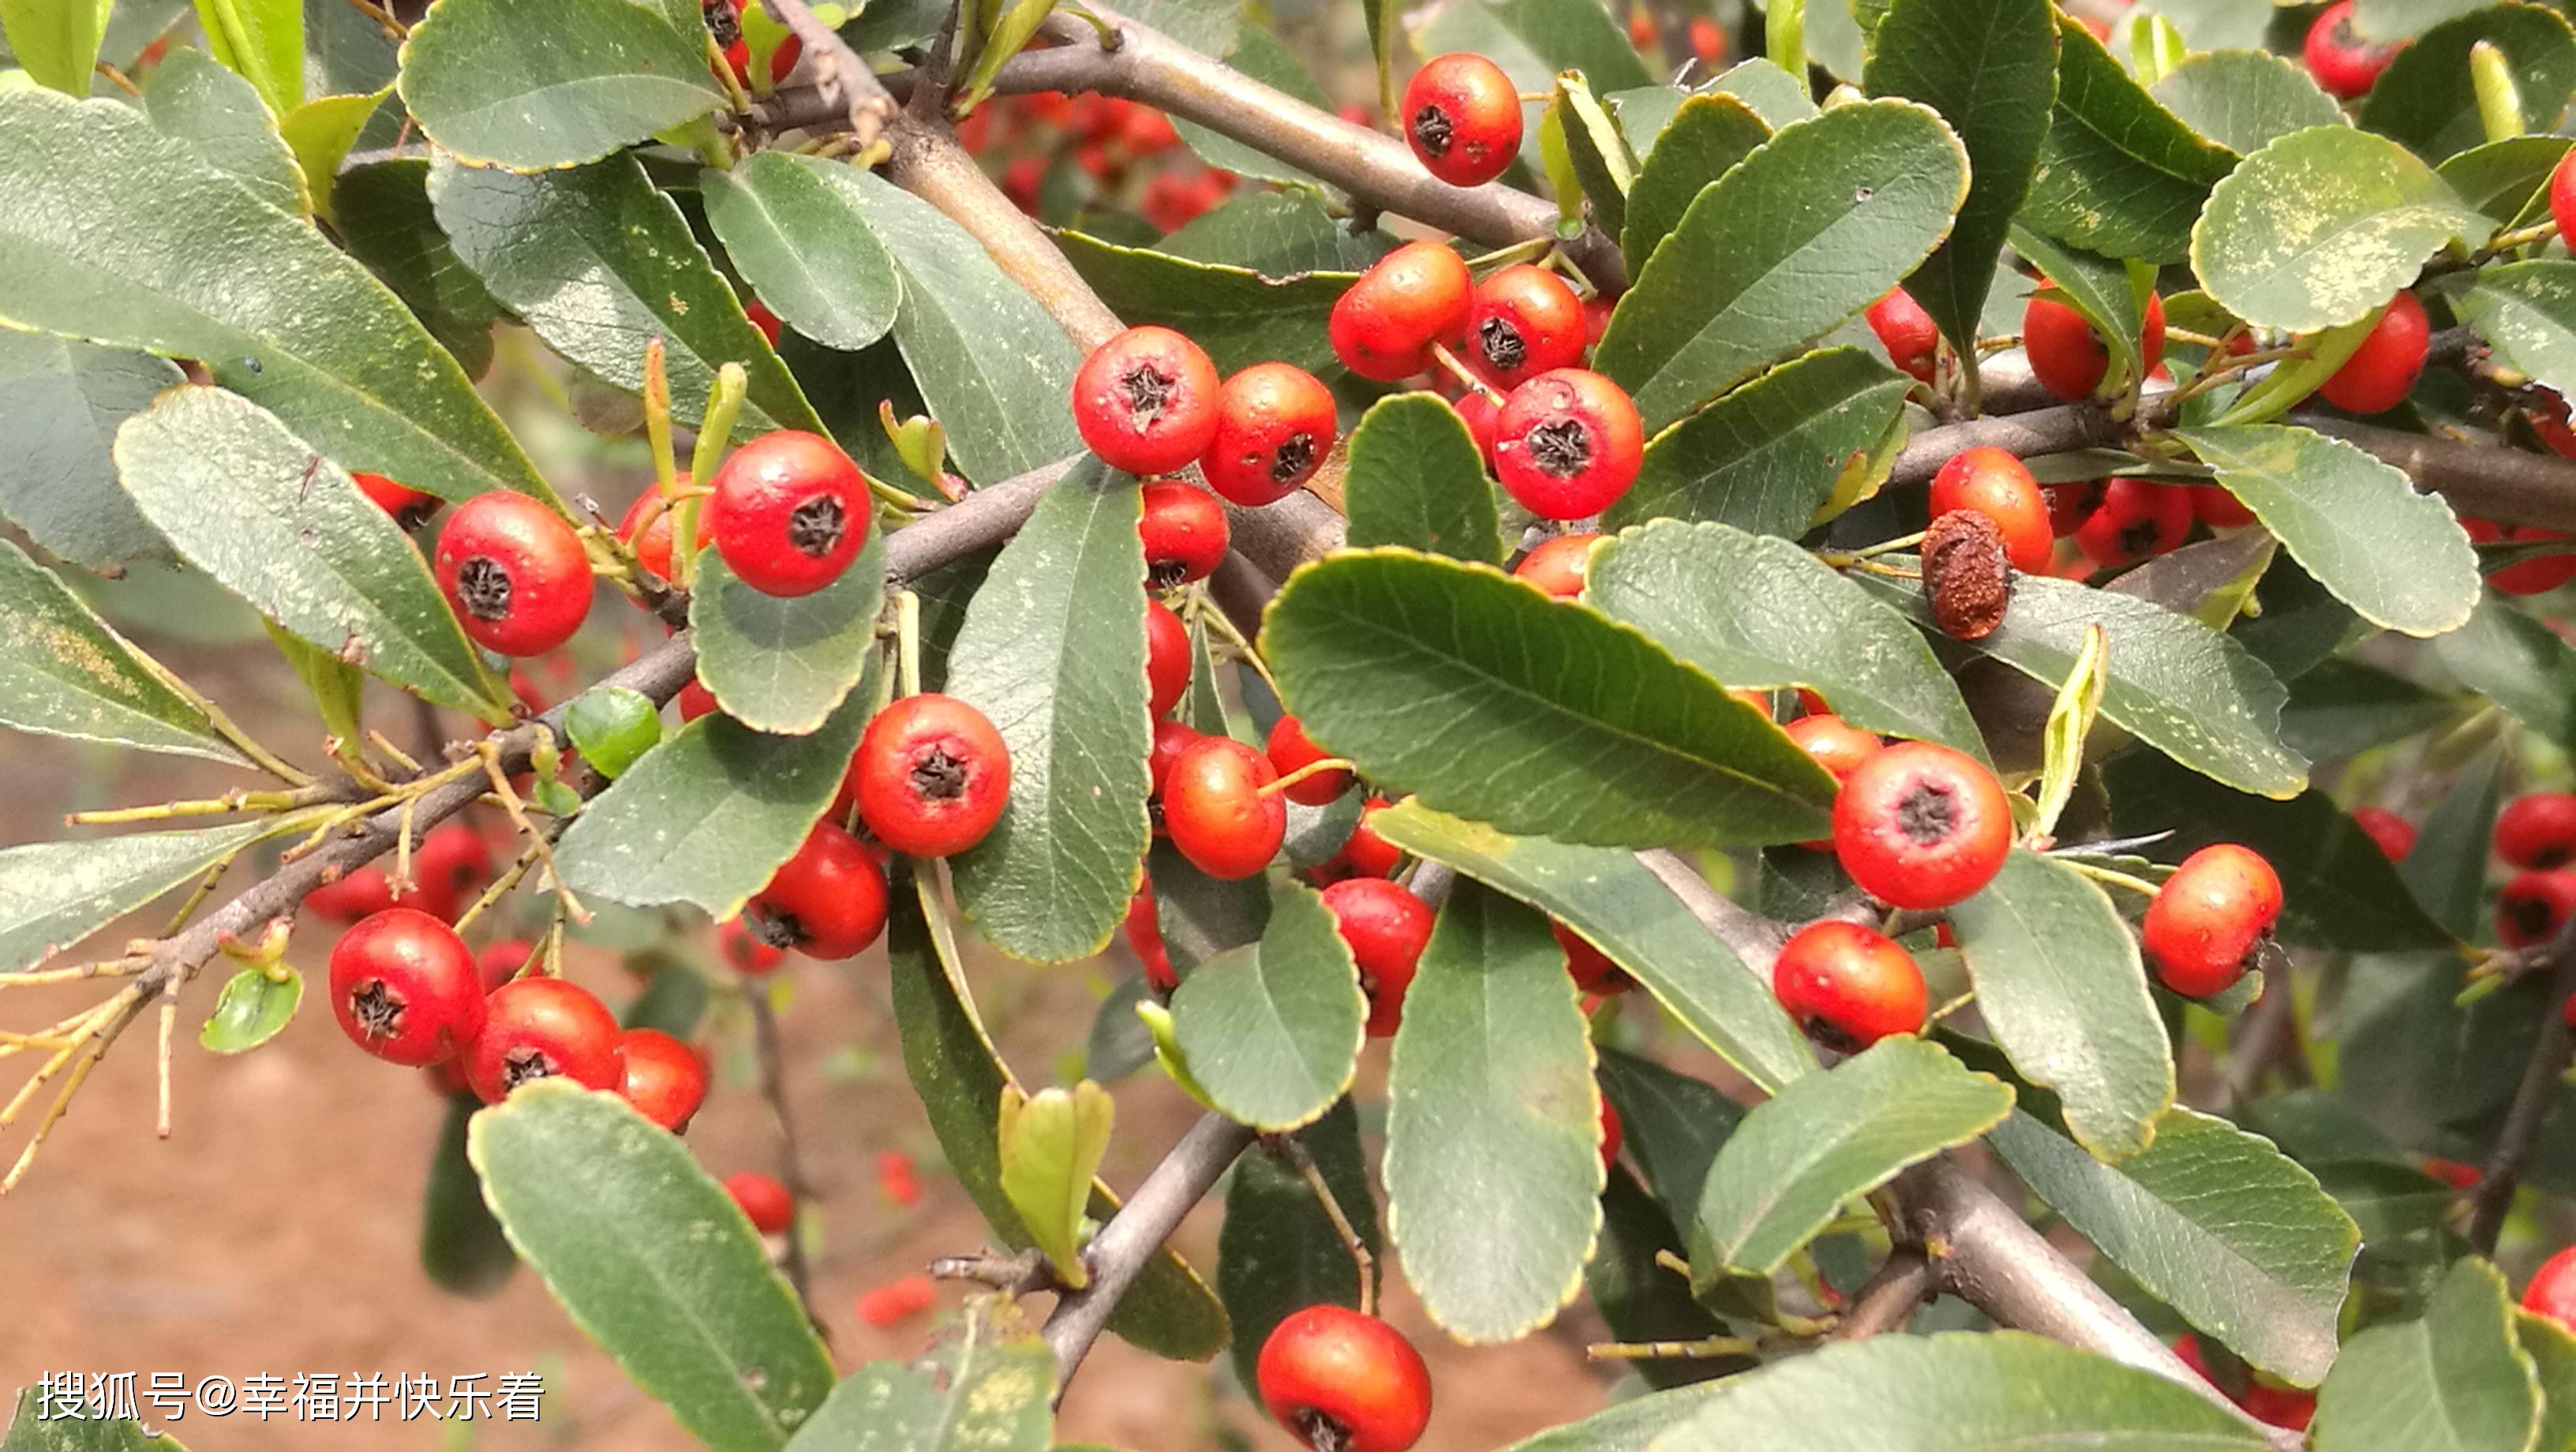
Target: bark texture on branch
x=1135 y=1235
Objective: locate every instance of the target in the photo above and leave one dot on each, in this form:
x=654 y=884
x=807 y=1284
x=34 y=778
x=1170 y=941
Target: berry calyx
x=405 y=988
x=1997 y=485
x=544 y=1028
x=1521 y=322
x=1591 y=969
x=1146 y=401
x=665 y=1079
x=2379 y=375
x=1568 y=443
x=1848 y=986
x=1386 y=927
x=827 y=901
x=1912 y=339
x=514 y=573
x=2070 y=359
x=744 y=951
x=410 y=507
x=2533 y=907
x=2537 y=830
x=1340 y=1381
x=1275 y=422
x=1557 y=565
x=2342 y=62
x=1384 y=324
x=2137 y=519
x=789 y=512
x=2207 y=921
x=1289 y=750
x=1462 y=116
x=765 y=1202
x=2393 y=834
x=1216 y=813
x=1167 y=658
x=1184 y=531
x=1919 y=825
x=931 y=776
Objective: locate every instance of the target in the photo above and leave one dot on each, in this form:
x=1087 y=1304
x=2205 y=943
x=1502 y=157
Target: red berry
x=2281 y=1406
x=409 y=507
x=898 y=1300
x=2136 y=520
x=1611 y=1135
x=1386 y=926
x=2535 y=576
x=652 y=541
x=1568 y=443
x=932 y=776
x=1919 y=825
x=1171 y=738
x=764 y=1201
x=1462 y=116
x=2342 y=62
x=665 y=1079
x=2533 y=907
x=2562 y=210
x=743 y=949
x=2393 y=833
x=514 y=573
x=789 y=513
x=896 y=1178
x=1384 y=324
x=354 y=895
x=1364 y=853
x=827 y=901
x=405 y=989
x=1837 y=745
x=695 y=700
x=2552 y=1292
x=2208 y=919
x=1521 y=322
x=544 y=1028
x=1908 y=333
x=449 y=867
x=1998 y=486
x=2215 y=507
x=1337 y=1379
x=1184 y=532
x=1557 y=565
x=1167 y=658
x=2453 y=1173
x=763 y=319
x=1591 y=969
x=1146 y=401
x=500 y=962
x=2378 y=377
x=1275 y=422
x=2068 y=358
x=1289 y=749
x=2537 y=830
x=1145 y=939
x=1848 y=986
x=1213 y=807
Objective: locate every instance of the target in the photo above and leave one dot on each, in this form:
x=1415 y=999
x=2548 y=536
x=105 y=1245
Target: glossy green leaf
x=1044 y=656
x=1273 y=1030
x=250 y=1010
x=321 y=132
x=1767 y=457
x=1492 y=1067
x=709 y=814
x=785 y=664
x=263 y=40
x=596 y=260
x=2514 y=660
x=1702 y=140
x=307 y=334
x=1757 y=611
x=1836 y=1136
x=54 y=894
x=2425 y=98
x=1990 y=68
x=2508 y=180
x=1278 y=234
x=58 y=1433
x=1494 y=701
x=382 y=212
x=986 y=1384
x=653 y=1260
x=252 y=505
x=1415 y=478
x=2345 y=516
x=1277 y=1252
x=1811 y=228
x=2176 y=684
x=798 y=239
x=1051 y=1143
x=2457 y=1379
x=1620 y=907
x=221 y=117
x=2322 y=226
x=462 y=1248
x=56 y=41
x=558 y=84
x=612 y=727
x=2527 y=312
x=64 y=672
x=60 y=404
x=2120 y=174
x=1673 y=1125
x=1258 y=55
x=1239 y=316
x=2245 y=99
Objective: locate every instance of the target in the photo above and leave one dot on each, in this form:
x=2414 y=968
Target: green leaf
x=1769 y=456
x=320 y=133
x=1273 y=1031
x=462 y=1248
x=251 y=1009
x=1813 y=226
x=802 y=243
x=781 y=664
x=1701 y=141
x=1277 y=1252
x=1201 y=916
x=2120 y=174
x=1598 y=153
x=2527 y=311
x=1278 y=234
x=381 y=211
x=1757 y=611
x=2553 y=1356
x=2323 y=226
x=2449 y=877
x=985 y=1385
x=57 y=1433
x=1051 y=1144
x=1673 y=1125
x=1045 y=657
x=2245 y=99
x=1621 y=908
x=1775 y=95
x=264 y=41
x=2509 y=179
x=2176 y=684
x=2520 y=664
x=654 y=1262
x=2343 y=708
x=1640 y=1298
x=55 y=41
x=1990 y=68
x=595 y=260
x=337 y=687
x=2337 y=888
x=558 y=84
x=674 y=999
x=1258 y=55
x=2425 y=98
x=66 y=673
x=2343 y=516
x=2059 y=983
x=1494 y=701
x=60 y=404
x=1960 y=1392
x=222 y=118
x=1628 y=1426
x=1414 y=478
x=2212 y=1221
x=707 y=816
x=1239 y=316
x=1532 y=40
x=54 y=894
x=308 y=334
x=2101 y=289
x=283 y=528
x=2456 y=1379
x=1492 y=1066
x=961 y=1077
x=1836 y=1136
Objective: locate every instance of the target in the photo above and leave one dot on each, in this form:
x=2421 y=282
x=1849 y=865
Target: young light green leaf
x=320 y=133
x=2427 y=98
x=1699 y=142
x=251 y=1009
x=1769 y=456
x=1599 y=153
x=1277 y=1252
x=65 y=673
x=337 y=687
x=803 y=245
x=221 y=117
x=538 y=86
x=985 y=1385
x=56 y=41
x=2245 y=99
x=612 y=727
x=1050 y=1145
x=2119 y=174
x=2070 y=721
x=1272 y=1031
x=784 y=664
x=54 y=894
x=2457 y=1378
x=1414 y=478
x=2522 y=665
x=263 y=41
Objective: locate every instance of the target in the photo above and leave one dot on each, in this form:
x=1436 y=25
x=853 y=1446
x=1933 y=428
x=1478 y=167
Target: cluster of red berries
x=1100 y=149
x=1148 y=401
x=2536 y=834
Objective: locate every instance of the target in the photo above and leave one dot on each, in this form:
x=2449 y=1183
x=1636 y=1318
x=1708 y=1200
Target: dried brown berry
x=1966 y=574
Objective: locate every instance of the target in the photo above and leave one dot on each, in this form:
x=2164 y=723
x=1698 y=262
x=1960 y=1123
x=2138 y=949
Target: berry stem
x=1302 y=1160
x=2112 y=876
x=499 y=889
x=1317 y=767
x=1845 y=559
x=715 y=429
x=1521 y=251
x=1713 y=1346
x=1441 y=355
x=907 y=643
x=539 y=842
x=1203 y=609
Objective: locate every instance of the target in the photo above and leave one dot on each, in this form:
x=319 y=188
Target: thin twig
x=1888 y=1300
x=768 y=1049
x=2492 y=1200
x=1292 y=1149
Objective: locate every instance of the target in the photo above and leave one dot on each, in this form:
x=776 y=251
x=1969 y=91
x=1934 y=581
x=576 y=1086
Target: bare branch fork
x=2533 y=1098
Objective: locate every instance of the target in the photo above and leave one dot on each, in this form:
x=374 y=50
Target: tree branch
x=2532 y=1100
x=1902 y=1283
x=843 y=78
x=1118 y=1254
